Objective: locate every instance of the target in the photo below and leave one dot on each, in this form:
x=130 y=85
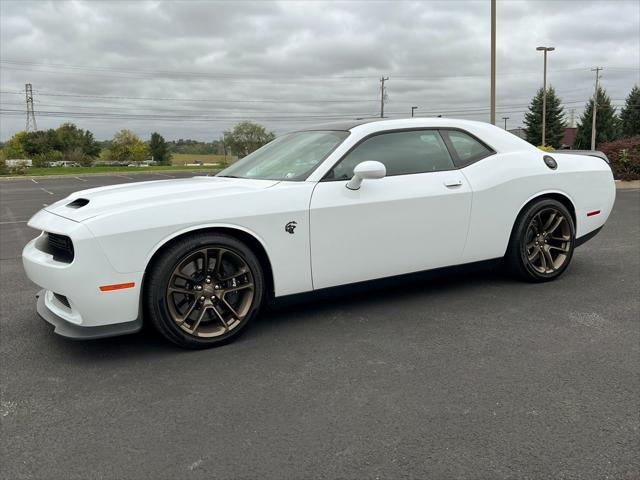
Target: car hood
x=93 y=202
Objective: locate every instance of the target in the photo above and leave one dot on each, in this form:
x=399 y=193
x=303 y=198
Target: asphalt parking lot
x=466 y=376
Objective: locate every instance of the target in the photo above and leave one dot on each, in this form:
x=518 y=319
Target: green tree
x=554 y=126
x=607 y=123
x=159 y=149
x=76 y=144
x=246 y=137
x=13 y=149
x=630 y=113
x=127 y=147
x=40 y=142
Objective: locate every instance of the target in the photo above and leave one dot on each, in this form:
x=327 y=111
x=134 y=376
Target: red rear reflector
x=591 y=214
x=117 y=286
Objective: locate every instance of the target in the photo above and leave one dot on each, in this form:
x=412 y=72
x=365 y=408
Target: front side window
x=289 y=157
x=403 y=153
x=467 y=148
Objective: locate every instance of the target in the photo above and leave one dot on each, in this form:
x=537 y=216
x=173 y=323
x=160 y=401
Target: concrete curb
x=623 y=185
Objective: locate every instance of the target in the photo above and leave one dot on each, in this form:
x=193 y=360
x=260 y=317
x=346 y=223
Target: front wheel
x=203 y=290
x=542 y=243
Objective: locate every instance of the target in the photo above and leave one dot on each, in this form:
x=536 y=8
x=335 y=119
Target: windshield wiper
x=228 y=176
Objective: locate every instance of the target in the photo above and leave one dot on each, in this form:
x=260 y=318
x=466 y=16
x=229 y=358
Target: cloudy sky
x=191 y=69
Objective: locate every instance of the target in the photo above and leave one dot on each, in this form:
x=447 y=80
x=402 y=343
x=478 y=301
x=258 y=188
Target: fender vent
x=78 y=203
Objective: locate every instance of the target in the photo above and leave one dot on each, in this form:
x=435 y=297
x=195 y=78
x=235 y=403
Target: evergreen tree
x=607 y=123
x=159 y=149
x=554 y=126
x=630 y=113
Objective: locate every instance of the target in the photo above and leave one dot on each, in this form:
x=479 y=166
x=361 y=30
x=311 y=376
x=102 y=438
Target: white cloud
x=310 y=60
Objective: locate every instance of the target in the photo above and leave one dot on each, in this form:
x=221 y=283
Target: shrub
x=19 y=169
x=624 y=155
x=46 y=159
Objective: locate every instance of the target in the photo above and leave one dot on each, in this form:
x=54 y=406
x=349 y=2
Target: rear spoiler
x=591 y=153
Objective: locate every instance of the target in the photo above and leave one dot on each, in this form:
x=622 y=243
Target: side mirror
x=366 y=170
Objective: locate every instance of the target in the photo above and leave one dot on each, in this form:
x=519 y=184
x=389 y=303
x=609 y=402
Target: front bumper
x=78 y=302
x=65 y=329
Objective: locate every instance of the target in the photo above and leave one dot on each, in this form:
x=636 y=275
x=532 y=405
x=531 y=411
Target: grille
x=61 y=247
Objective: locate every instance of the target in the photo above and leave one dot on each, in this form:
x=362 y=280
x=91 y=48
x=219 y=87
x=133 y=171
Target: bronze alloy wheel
x=210 y=292
x=547 y=242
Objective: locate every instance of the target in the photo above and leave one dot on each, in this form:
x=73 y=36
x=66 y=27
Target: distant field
x=182 y=158
x=84 y=170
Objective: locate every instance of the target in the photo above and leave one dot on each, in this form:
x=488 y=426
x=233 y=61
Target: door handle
x=453 y=183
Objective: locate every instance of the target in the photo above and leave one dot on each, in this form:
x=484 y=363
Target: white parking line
x=81 y=179
x=124 y=176
x=33 y=181
x=16 y=221
x=45 y=190
x=164 y=175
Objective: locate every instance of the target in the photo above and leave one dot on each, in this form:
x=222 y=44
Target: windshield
x=290 y=157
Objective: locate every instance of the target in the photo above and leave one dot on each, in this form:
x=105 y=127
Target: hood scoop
x=78 y=203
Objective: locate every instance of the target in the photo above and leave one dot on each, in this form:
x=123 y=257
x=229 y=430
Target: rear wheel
x=542 y=242
x=203 y=290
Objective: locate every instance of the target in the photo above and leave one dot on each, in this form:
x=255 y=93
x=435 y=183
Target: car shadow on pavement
x=311 y=307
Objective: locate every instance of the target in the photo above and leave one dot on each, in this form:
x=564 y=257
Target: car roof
x=497 y=138
x=393 y=123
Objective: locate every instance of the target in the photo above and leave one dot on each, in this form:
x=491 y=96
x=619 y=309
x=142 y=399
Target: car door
x=415 y=218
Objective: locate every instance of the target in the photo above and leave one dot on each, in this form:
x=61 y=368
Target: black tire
x=162 y=275
x=526 y=241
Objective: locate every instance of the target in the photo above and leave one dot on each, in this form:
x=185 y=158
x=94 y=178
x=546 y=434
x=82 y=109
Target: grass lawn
x=84 y=170
x=182 y=158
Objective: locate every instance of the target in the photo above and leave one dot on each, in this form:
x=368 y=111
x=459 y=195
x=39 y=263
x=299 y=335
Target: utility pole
x=383 y=94
x=595 y=109
x=493 y=62
x=31 y=116
x=412 y=110
x=505 y=121
x=544 y=93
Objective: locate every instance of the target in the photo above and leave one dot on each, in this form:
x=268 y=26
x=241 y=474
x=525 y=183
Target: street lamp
x=412 y=109
x=544 y=92
x=505 y=121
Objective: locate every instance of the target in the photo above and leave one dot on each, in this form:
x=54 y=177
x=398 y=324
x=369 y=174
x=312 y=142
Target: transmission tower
x=31 y=116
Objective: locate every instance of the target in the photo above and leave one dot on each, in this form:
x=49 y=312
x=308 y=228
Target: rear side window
x=403 y=153
x=466 y=149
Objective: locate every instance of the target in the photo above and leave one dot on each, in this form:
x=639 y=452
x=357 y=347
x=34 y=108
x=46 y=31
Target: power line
x=34 y=66
x=202 y=100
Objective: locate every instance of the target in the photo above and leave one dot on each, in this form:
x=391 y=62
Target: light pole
x=544 y=92
x=492 y=115
x=505 y=121
x=412 y=109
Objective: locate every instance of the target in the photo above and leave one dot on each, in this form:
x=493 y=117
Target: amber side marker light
x=591 y=214
x=117 y=286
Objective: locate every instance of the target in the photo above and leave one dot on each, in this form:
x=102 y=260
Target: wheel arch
x=251 y=239
x=561 y=197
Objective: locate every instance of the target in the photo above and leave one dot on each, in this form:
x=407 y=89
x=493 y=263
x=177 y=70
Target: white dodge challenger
x=316 y=208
